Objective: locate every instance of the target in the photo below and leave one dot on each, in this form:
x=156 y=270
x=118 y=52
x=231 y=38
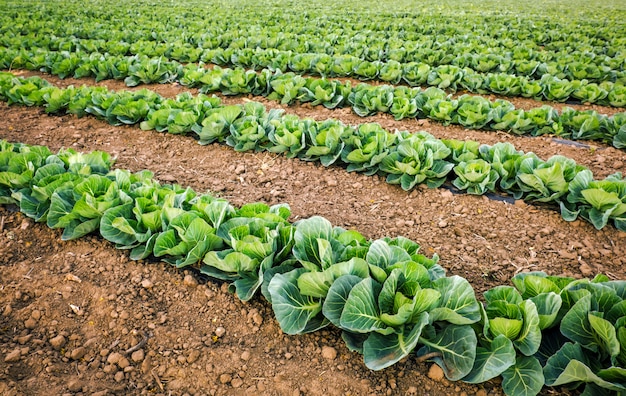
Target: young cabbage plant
x=509 y=340
x=259 y=238
x=531 y=88
x=79 y=208
x=594 y=350
x=583 y=124
x=18 y=165
x=145 y=70
x=597 y=201
x=325 y=141
x=449 y=339
x=445 y=77
x=617 y=96
x=289 y=135
x=217 y=123
x=250 y=132
x=503 y=84
x=473 y=111
x=343 y=65
x=28 y=177
x=186 y=240
x=367 y=147
x=419 y=159
x=391 y=71
x=367 y=70
x=324 y=253
x=211 y=80
x=329 y=93
x=556 y=89
x=404 y=103
x=616 y=126
x=368 y=100
x=473 y=82
x=545 y=120
x=390 y=320
x=442 y=110
x=475 y=177
x=590 y=93
x=503 y=115
x=415 y=73
x=545 y=181
x=383 y=315
x=237 y=81
x=286 y=87
x=503 y=157
x=462 y=150
x=192 y=73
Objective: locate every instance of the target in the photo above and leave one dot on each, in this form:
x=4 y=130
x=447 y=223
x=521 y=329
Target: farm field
x=78 y=316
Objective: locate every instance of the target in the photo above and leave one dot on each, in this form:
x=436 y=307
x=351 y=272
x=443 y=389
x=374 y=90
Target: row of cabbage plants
x=554 y=85
x=403 y=158
x=581 y=49
x=469 y=111
x=389 y=301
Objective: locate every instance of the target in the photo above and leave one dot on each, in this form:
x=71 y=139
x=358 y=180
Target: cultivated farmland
x=308 y=199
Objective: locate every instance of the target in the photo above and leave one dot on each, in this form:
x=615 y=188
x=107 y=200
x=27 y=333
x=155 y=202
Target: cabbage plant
x=367 y=100
x=592 y=349
x=475 y=177
x=257 y=237
x=367 y=147
x=329 y=93
x=286 y=87
x=419 y=158
x=545 y=181
x=597 y=201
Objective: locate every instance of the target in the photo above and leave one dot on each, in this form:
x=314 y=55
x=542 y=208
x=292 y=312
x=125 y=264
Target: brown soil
x=79 y=317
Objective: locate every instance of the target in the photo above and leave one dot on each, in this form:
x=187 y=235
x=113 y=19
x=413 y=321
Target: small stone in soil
x=585 y=269
x=58 y=342
x=137 y=356
x=190 y=281
x=435 y=373
x=30 y=323
x=193 y=356
x=567 y=255
x=78 y=353
x=75 y=386
x=220 y=331
x=114 y=358
x=119 y=376
x=329 y=353
x=13 y=356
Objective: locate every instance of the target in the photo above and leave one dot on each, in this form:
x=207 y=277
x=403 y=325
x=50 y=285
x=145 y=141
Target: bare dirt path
x=81 y=318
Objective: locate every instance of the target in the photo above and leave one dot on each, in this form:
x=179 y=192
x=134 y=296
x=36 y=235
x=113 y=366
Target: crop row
x=569 y=82
x=584 y=50
x=402 y=102
x=388 y=300
x=404 y=158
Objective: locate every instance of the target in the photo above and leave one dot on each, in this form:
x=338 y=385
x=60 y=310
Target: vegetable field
x=268 y=197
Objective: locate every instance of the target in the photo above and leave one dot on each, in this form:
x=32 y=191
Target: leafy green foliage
x=403 y=158
x=475 y=176
x=388 y=299
x=419 y=159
